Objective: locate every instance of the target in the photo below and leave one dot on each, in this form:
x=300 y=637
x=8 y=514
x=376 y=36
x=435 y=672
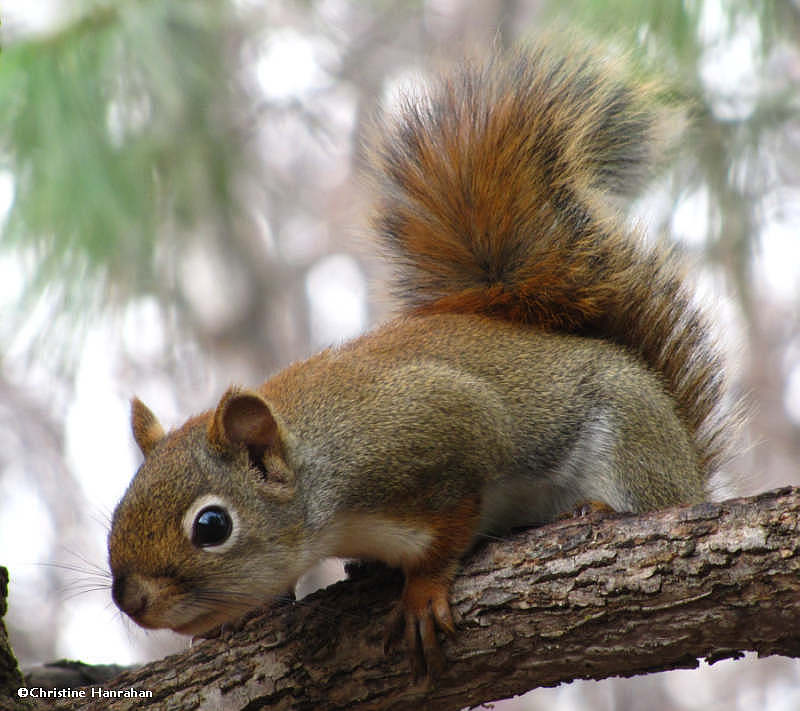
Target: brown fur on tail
x=498 y=192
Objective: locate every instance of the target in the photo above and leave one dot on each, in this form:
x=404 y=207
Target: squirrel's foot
x=423 y=608
x=584 y=508
x=224 y=631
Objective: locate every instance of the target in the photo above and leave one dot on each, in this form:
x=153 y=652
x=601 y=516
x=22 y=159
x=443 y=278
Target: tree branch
x=588 y=598
x=10 y=677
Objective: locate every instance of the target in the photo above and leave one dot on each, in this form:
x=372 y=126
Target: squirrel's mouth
x=202 y=624
x=154 y=603
x=206 y=623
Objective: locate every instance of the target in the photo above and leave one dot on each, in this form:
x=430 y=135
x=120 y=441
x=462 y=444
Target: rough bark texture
x=10 y=676
x=69 y=674
x=590 y=597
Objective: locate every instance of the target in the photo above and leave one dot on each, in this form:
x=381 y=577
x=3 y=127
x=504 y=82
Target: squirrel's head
x=209 y=526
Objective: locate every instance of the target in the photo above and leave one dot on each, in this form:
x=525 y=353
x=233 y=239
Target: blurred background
x=180 y=209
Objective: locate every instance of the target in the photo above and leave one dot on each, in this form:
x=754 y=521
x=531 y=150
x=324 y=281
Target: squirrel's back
x=498 y=194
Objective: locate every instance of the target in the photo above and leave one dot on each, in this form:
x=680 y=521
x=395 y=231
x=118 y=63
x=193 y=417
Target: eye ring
x=212 y=527
x=219 y=529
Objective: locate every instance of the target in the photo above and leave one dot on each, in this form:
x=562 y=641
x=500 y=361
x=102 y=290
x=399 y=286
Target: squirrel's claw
x=423 y=608
x=586 y=508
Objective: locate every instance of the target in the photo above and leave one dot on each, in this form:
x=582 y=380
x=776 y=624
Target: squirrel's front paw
x=586 y=508
x=423 y=608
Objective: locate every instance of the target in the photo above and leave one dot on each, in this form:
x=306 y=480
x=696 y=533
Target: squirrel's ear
x=242 y=417
x=147 y=430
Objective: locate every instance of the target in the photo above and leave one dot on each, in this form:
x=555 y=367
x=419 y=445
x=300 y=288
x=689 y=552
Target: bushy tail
x=497 y=194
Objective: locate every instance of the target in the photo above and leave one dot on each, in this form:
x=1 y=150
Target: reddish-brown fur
x=496 y=196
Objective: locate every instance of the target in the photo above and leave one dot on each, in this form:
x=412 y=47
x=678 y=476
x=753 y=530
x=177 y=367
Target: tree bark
x=10 y=676
x=584 y=598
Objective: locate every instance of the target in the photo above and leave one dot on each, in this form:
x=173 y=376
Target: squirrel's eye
x=212 y=527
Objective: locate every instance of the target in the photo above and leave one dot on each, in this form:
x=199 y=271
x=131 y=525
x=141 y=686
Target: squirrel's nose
x=128 y=596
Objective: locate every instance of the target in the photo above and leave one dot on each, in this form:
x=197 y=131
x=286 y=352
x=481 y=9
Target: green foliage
x=720 y=57
x=118 y=129
x=117 y=132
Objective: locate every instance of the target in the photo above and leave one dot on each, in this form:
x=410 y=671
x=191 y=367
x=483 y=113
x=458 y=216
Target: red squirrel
x=546 y=356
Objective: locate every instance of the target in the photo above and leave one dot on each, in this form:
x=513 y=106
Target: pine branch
x=585 y=598
x=118 y=131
